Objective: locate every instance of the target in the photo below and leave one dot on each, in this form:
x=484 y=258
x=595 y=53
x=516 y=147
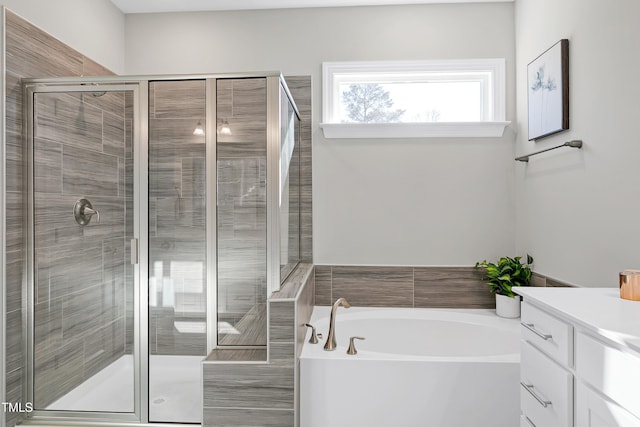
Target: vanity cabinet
x=615 y=374
x=595 y=410
x=580 y=358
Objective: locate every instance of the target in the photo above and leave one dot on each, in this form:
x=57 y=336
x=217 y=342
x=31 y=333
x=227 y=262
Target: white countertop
x=600 y=310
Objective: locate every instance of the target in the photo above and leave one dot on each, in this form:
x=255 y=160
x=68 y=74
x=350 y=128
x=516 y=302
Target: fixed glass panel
x=83 y=195
x=289 y=195
x=241 y=153
x=177 y=249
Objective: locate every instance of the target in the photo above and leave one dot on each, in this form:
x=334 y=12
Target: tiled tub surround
x=260 y=387
x=421 y=287
x=30 y=52
x=427 y=287
x=541 y=281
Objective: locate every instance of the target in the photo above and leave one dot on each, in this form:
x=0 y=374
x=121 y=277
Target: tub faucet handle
x=314 y=336
x=352 y=347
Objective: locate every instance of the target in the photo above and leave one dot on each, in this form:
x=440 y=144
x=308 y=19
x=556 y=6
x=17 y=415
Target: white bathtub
x=417 y=367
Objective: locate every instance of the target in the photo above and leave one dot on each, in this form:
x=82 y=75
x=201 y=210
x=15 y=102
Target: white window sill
x=414 y=130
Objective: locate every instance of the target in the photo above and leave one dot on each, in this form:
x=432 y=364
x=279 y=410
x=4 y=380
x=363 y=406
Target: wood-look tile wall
x=422 y=287
x=300 y=88
x=540 y=280
x=289 y=207
x=30 y=52
x=242 y=390
x=437 y=287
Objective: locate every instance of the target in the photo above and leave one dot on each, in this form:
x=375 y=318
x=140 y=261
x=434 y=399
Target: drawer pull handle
x=530 y=327
x=529 y=422
x=529 y=388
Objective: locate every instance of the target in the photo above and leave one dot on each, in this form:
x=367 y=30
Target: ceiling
x=155 y=6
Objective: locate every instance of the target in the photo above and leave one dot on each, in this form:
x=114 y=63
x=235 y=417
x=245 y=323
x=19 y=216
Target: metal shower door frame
x=139 y=89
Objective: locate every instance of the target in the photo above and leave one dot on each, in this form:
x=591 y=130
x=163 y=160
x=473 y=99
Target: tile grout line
x=413 y=282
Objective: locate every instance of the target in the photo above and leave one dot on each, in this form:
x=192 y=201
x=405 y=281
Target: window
x=414 y=99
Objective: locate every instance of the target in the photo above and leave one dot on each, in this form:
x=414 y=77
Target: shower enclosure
x=161 y=214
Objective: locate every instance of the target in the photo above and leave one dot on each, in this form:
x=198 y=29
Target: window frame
x=333 y=73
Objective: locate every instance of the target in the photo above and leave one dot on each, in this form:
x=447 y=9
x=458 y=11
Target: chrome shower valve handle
x=90 y=212
x=83 y=212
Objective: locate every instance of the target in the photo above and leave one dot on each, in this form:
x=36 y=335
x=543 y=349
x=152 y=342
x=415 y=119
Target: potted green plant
x=502 y=277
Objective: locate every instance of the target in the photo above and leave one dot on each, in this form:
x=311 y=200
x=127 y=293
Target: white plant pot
x=508 y=307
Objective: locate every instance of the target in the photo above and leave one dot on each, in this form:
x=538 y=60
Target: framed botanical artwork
x=548 y=91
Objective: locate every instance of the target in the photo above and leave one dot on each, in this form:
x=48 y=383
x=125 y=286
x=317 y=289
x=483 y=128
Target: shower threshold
x=175 y=389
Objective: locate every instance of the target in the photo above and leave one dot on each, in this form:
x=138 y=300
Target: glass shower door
x=82 y=195
x=177 y=249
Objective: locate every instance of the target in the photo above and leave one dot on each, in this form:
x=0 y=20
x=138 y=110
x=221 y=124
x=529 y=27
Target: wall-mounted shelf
x=576 y=143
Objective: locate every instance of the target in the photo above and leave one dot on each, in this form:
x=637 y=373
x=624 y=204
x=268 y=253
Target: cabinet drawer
x=594 y=410
x=550 y=334
x=615 y=373
x=546 y=389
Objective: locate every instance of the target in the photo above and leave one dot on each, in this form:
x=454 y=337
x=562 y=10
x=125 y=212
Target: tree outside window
x=369 y=103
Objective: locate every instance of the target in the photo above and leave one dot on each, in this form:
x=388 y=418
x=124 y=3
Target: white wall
x=578 y=211
x=386 y=202
x=94 y=28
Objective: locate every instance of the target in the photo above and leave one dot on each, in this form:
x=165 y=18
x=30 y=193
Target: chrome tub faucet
x=331 y=336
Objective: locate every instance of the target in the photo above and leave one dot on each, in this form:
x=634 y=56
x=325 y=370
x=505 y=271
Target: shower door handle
x=134 y=252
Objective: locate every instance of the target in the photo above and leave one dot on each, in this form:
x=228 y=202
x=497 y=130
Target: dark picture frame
x=548 y=92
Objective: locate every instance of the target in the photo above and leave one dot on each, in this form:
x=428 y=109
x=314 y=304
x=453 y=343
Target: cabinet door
x=594 y=410
x=615 y=373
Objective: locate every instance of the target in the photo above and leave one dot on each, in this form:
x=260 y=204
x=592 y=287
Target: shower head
x=97 y=94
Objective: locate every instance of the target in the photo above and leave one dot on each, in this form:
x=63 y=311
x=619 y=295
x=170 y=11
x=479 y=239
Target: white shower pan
x=175 y=389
